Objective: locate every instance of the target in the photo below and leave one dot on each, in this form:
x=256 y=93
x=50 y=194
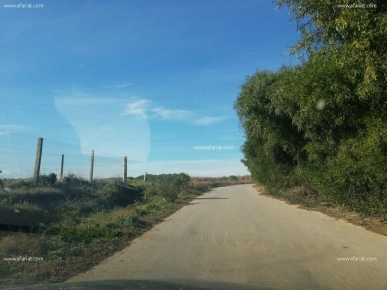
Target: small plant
x=4 y=201
x=69 y=178
x=152 y=206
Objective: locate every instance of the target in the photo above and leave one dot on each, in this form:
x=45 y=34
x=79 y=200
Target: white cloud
x=143 y=107
x=171 y=114
x=207 y=120
x=118 y=85
x=137 y=108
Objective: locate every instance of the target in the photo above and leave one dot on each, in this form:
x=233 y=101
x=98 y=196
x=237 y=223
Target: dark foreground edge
x=162 y=284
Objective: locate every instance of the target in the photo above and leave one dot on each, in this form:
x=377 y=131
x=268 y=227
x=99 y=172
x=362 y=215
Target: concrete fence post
x=38 y=160
x=125 y=170
x=91 y=165
x=61 y=167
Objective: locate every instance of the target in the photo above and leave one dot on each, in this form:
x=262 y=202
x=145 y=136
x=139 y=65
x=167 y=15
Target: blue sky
x=144 y=79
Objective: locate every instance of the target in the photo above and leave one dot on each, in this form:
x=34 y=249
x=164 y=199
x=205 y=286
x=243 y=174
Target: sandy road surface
x=234 y=234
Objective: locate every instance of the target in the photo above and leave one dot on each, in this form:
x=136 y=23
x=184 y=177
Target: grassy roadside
x=310 y=200
x=87 y=222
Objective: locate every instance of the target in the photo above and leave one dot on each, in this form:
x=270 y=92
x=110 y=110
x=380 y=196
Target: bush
x=300 y=194
x=19 y=183
x=119 y=193
x=181 y=181
x=153 y=190
x=169 y=190
x=48 y=179
x=74 y=185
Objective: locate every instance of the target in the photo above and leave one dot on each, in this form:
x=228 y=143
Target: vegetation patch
x=83 y=223
x=322 y=124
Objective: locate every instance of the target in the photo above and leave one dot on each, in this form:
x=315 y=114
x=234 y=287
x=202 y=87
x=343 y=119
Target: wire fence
x=18 y=156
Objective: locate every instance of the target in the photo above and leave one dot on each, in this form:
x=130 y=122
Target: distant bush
x=169 y=190
x=71 y=177
x=172 y=185
x=49 y=179
x=74 y=185
x=181 y=181
x=119 y=193
x=19 y=183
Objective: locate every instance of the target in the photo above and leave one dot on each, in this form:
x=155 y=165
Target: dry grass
x=67 y=254
x=208 y=182
x=48 y=270
x=54 y=270
x=310 y=200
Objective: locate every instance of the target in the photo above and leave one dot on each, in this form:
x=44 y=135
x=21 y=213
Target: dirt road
x=235 y=234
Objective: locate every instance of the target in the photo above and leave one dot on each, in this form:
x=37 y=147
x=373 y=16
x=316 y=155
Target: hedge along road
x=235 y=234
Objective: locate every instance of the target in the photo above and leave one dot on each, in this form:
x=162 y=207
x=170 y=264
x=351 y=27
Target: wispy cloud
x=138 y=108
x=8 y=128
x=118 y=85
x=168 y=114
x=143 y=108
x=207 y=120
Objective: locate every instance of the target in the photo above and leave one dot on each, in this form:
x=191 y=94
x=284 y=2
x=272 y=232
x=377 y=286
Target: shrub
x=49 y=179
x=74 y=185
x=300 y=194
x=181 y=181
x=20 y=183
x=119 y=193
x=169 y=190
x=152 y=206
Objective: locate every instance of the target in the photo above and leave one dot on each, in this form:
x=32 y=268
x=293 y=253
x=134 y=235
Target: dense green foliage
x=323 y=123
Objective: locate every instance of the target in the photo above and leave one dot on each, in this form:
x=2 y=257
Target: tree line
x=323 y=122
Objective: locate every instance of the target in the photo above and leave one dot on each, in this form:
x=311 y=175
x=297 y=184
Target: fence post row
x=91 y=165
x=38 y=160
x=125 y=170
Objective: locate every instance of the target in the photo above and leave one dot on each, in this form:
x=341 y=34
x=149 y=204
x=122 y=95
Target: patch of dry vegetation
x=87 y=229
x=309 y=199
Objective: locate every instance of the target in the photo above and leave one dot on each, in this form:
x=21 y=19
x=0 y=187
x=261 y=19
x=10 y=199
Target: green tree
x=323 y=123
